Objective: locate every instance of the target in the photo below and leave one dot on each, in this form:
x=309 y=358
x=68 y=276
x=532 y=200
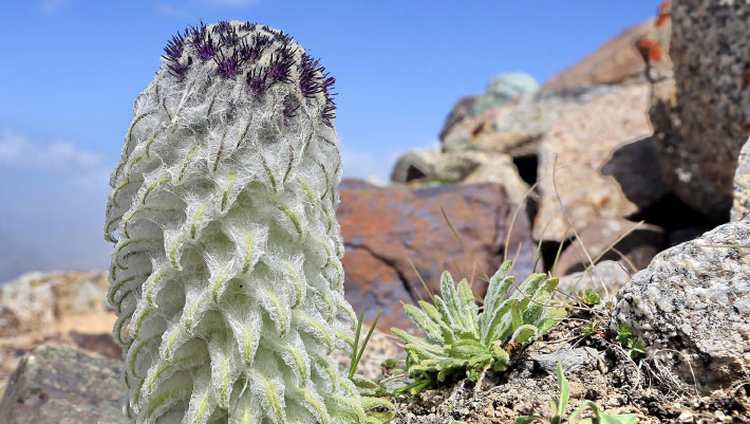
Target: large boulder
x=702 y=119
x=573 y=153
x=614 y=62
x=397 y=238
x=54 y=385
x=691 y=306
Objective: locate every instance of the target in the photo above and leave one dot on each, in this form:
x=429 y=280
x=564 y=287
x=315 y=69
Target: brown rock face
x=61 y=385
x=386 y=230
x=575 y=150
x=612 y=63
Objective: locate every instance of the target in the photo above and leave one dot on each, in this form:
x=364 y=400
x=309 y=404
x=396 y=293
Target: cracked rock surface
x=692 y=304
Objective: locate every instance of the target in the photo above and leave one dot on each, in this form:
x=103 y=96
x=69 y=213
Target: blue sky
x=70 y=70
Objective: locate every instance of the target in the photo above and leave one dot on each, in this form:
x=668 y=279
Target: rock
x=569 y=358
x=37 y=302
x=504 y=89
x=514 y=128
x=430 y=166
x=612 y=239
x=614 y=62
x=694 y=299
x=386 y=230
x=636 y=170
x=463 y=109
x=580 y=143
x=62 y=385
x=60 y=308
x=704 y=120
x=741 y=202
x=606 y=277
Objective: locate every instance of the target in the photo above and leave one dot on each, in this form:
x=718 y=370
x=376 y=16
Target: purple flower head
x=310 y=77
x=329 y=113
x=222 y=27
x=198 y=33
x=256 y=82
x=205 y=48
x=228 y=66
x=282 y=36
x=229 y=37
x=327 y=85
x=249 y=52
x=248 y=26
x=175 y=47
x=178 y=69
x=280 y=66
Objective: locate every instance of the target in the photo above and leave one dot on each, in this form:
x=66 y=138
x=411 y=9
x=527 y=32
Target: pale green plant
x=460 y=340
x=226 y=274
x=557 y=409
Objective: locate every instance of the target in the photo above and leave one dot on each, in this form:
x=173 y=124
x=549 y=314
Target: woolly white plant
x=226 y=273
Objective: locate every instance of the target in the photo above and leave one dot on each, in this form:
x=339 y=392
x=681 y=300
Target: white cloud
x=52 y=6
x=17 y=151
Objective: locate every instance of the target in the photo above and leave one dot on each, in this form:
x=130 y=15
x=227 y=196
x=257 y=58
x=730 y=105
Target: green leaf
x=493 y=324
x=527 y=419
x=524 y=335
x=562 y=403
x=423 y=321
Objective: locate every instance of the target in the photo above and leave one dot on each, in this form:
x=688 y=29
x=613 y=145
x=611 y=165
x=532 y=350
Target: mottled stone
x=741 y=203
x=569 y=358
x=692 y=305
x=574 y=151
x=605 y=278
x=55 y=385
x=387 y=230
x=703 y=118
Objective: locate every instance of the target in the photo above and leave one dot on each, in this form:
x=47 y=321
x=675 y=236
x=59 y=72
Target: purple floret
x=310 y=77
x=256 y=82
x=228 y=66
x=280 y=66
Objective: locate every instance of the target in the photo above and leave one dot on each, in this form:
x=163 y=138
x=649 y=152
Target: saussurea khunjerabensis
x=226 y=274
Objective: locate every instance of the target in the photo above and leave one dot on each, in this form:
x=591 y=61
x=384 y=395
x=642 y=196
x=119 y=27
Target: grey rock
x=54 y=385
x=692 y=304
x=741 y=203
x=704 y=120
x=569 y=358
x=606 y=277
x=505 y=88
